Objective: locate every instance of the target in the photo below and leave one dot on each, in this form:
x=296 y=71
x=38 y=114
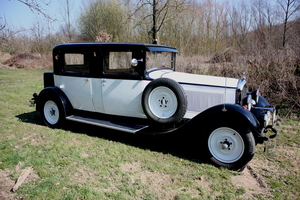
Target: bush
x=29 y=61
x=275 y=72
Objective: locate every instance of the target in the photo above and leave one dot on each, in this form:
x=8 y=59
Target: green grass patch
x=88 y=162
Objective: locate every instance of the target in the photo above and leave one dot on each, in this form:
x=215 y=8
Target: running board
x=126 y=127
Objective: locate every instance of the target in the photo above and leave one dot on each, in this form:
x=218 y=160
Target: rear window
x=76 y=62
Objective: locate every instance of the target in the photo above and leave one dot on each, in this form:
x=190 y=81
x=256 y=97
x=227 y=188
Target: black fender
x=48 y=79
x=229 y=112
x=57 y=92
x=258 y=113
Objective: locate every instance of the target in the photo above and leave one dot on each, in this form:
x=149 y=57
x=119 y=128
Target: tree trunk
x=154 y=28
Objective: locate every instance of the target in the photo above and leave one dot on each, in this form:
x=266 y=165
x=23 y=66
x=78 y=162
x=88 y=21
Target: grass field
x=88 y=162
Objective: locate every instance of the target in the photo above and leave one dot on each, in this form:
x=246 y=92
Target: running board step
x=126 y=127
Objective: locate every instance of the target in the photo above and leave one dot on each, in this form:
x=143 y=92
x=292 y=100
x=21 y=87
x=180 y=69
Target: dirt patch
x=161 y=184
x=155 y=182
x=131 y=167
x=251 y=182
x=6 y=183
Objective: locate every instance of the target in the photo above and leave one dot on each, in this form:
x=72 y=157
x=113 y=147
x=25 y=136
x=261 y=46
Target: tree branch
x=35 y=7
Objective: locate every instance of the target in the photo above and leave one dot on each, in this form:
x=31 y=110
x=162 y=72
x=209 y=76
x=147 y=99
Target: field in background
x=87 y=162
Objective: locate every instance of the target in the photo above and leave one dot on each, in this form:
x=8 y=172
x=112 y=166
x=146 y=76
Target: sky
x=19 y=16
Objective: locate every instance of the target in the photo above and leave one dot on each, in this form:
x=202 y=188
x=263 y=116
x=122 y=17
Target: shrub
x=29 y=61
x=274 y=72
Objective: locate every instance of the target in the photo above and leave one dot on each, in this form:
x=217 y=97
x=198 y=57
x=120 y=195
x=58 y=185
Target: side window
x=160 y=60
x=76 y=63
x=119 y=63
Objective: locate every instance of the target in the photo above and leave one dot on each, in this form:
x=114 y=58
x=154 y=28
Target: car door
x=123 y=97
x=75 y=81
x=121 y=86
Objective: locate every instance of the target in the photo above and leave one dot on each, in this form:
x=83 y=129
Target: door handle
x=103 y=82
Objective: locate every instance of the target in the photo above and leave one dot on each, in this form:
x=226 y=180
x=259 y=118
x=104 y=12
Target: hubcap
x=162 y=102
x=51 y=112
x=226 y=145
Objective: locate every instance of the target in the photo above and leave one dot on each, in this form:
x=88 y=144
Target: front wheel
x=229 y=146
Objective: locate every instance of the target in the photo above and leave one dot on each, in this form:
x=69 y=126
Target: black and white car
x=134 y=88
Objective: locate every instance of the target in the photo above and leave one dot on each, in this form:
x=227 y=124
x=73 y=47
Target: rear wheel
x=229 y=146
x=53 y=112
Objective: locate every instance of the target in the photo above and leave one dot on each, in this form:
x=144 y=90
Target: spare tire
x=164 y=101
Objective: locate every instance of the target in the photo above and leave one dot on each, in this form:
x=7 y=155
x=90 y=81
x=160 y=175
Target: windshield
x=156 y=60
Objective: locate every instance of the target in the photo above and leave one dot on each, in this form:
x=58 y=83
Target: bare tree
x=240 y=24
x=159 y=11
x=2 y=28
x=36 y=7
x=290 y=8
x=2 y=25
x=66 y=11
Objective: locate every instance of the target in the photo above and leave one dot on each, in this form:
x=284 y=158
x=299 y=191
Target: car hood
x=194 y=79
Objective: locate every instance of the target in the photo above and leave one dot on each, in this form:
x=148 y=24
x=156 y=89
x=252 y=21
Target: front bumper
x=270 y=128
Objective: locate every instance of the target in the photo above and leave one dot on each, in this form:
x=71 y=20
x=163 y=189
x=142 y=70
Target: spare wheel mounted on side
x=164 y=101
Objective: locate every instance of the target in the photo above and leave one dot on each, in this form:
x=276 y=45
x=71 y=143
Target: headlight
x=267 y=118
x=255 y=95
x=247 y=102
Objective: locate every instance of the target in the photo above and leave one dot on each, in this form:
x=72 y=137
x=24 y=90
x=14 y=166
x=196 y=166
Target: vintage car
x=134 y=88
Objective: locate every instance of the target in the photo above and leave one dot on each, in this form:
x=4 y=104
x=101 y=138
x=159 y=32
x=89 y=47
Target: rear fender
x=56 y=92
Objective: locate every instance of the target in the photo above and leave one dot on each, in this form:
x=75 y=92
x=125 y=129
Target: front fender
x=259 y=113
x=229 y=112
x=56 y=92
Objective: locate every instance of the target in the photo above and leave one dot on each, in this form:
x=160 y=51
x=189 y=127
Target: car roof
x=149 y=47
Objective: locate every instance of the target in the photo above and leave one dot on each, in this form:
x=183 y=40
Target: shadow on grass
x=31 y=117
x=177 y=144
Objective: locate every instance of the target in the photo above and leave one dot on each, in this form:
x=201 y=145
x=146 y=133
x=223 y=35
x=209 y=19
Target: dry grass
x=26 y=61
x=275 y=72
